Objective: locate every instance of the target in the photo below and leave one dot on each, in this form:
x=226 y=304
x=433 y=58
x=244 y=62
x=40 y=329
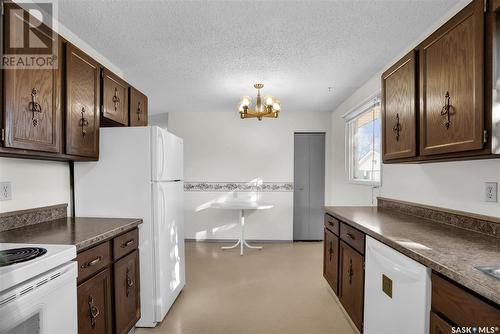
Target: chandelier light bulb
x=269 y=100
x=245 y=101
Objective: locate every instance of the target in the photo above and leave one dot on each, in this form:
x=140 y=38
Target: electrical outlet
x=490 y=191
x=5 y=191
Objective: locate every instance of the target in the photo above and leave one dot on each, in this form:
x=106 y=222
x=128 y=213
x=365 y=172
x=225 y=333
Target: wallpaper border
x=238 y=186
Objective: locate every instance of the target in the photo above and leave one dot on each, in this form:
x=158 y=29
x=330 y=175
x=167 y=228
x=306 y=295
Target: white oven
x=45 y=303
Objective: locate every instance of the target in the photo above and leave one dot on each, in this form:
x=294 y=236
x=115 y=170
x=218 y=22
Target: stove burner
x=16 y=255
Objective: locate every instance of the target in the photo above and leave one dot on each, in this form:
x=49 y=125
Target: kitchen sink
x=492 y=271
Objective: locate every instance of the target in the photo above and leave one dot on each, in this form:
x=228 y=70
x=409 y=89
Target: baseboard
x=336 y=298
x=235 y=240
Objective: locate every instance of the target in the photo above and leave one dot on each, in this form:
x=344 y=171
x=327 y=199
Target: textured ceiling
x=203 y=55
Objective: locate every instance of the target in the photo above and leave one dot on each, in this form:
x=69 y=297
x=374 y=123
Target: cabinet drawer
x=353 y=237
x=93 y=260
x=127 y=293
x=94 y=304
x=460 y=306
x=125 y=243
x=332 y=224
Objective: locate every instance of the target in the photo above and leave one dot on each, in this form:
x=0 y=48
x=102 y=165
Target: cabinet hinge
x=485 y=136
x=485 y=5
x=3 y=134
x=2 y=9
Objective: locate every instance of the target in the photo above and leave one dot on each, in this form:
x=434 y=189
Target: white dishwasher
x=397 y=292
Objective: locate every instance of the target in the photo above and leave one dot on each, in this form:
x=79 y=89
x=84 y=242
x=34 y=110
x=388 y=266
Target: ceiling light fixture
x=270 y=107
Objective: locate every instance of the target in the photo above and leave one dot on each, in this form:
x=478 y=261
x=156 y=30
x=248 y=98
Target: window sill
x=374 y=184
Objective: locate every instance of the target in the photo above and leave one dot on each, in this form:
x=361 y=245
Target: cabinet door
x=94 y=304
x=438 y=325
x=351 y=290
x=399 y=109
x=82 y=103
x=451 y=85
x=331 y=259
x=115 y=99
x=32 y=100
x=127 y=298
x=138 y=113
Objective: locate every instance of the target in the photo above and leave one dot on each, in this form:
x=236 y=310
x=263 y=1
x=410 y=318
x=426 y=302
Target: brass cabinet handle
x=83 y=122
x=127 y=243
x=93 y=311
x=139 y=111
x=116 y=99
x=351 y=236
x=397 y=127
x=351 y=272
x=34 y=107
x=446 y=111
x=330 y=251
x=129 y=282
x=330 y=223
x=91 y=263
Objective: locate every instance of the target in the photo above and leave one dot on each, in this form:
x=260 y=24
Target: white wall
x=35 y=183
x=454 y=185
x=221 y=147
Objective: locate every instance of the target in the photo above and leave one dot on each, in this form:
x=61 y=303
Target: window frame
x=350 y=117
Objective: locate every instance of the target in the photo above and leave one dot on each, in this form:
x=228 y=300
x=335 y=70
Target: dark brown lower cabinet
x=109 y=289
x=94 y=304
x=438 y=325
x=461 y=307
x=127 y=292
x=351 y=283
x=331 y=259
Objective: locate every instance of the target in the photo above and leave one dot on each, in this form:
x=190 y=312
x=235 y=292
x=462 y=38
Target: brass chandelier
x=270 y=107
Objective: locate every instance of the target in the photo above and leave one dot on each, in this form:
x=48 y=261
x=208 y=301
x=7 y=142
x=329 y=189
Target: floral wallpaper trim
x=238 y=186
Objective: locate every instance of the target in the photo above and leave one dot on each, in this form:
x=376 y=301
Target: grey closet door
x=309 y=186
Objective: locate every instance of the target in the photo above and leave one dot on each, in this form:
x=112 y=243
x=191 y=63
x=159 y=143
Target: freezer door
x=167 y=157
x=169 y=244
x=397 y=292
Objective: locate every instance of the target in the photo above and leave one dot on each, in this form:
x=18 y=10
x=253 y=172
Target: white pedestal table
x=241 y=206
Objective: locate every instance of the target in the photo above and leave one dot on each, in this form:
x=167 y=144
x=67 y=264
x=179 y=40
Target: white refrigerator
x=140 y=174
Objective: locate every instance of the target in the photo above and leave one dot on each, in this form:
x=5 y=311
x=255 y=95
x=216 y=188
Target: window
x=363 y=143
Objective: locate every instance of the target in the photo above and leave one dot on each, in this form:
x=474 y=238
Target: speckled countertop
x=81 y=232
x=446 y=249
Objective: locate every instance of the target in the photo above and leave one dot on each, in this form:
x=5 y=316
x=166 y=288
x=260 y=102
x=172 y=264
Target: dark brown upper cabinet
x=31 y=97
x=399 y=109
x=82 y=103
x=452 y=85
x=138 y=108
x=114 y=100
